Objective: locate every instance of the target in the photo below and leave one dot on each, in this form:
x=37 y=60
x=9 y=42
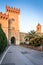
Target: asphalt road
x=17 y=55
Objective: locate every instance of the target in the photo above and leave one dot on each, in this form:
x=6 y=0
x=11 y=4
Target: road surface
x=18 y=55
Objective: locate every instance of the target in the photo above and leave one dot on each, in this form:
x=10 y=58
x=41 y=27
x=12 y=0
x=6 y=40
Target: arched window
x=7 y=9
x=1 y=16
x=6 y=18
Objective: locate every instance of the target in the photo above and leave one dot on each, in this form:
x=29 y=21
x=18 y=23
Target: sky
x=31 y=12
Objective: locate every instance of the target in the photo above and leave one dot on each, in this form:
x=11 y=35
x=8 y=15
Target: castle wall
x=4 y=23
x=10 y=24
x=22 y=37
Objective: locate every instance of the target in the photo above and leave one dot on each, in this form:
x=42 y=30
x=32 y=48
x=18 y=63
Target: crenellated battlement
x=3 y=16
x=10 y=9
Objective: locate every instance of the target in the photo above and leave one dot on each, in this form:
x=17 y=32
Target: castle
x=9 y=22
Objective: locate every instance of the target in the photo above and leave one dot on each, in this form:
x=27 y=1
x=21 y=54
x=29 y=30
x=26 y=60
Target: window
x=6 y=18
x=7 y=9
x=13 y=28
x=38 y=28
x=1 y=16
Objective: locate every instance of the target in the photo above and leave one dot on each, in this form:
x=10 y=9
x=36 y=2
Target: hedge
x=3 y=40
x=36 y=41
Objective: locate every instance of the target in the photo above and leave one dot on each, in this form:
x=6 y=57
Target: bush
x=35 y=41
x=21 y=43
x=3 y=40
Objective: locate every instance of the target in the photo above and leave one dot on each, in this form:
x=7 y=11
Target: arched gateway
x=13 y=40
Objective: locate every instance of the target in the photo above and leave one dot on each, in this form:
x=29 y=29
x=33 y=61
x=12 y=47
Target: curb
x=4 y=55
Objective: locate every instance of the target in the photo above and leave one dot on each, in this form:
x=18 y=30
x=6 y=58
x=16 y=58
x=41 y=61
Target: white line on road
x=4 y=55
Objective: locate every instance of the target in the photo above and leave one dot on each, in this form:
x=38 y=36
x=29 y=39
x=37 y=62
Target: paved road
x=17 y=55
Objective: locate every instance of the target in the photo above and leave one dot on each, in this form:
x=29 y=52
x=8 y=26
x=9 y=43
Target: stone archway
x=13 y=40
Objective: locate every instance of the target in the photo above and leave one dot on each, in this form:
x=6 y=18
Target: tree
x=36 y=41
x=34 y=38
x=3 y=40
x=32 y=34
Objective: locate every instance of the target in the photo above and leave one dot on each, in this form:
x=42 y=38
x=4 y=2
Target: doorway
x=13 y=41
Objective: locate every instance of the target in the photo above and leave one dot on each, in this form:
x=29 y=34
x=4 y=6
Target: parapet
x=10 y=9
x=3 y=16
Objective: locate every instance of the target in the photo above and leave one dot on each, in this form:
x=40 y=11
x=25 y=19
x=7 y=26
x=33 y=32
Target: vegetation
x=35 y=39
x=21 y=43
x=3 y=40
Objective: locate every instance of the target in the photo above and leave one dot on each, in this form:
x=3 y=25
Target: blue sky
x=31 y=12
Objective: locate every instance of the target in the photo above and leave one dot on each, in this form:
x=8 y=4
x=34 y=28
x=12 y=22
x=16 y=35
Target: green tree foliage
x=3 y=40
x=36 y=41
x=32 y=34
x=34 y=38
